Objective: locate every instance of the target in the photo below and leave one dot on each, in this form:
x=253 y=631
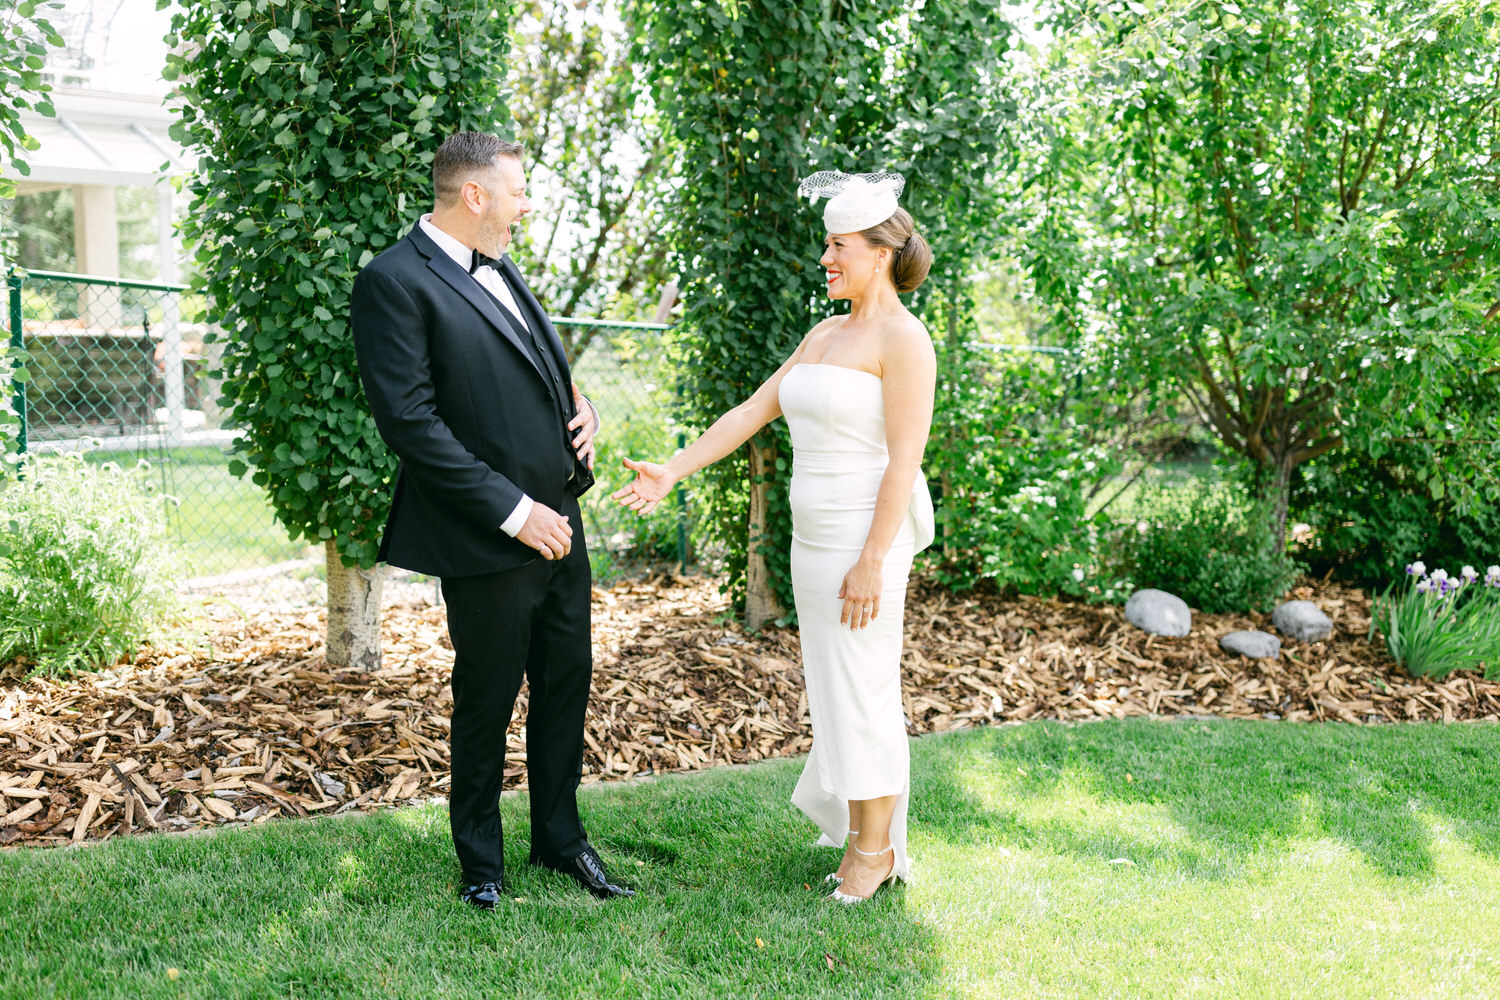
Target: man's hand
x=583 y=427
x=547 y=531
x=652 y=483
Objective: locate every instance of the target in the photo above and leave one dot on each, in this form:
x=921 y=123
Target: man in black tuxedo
x=470 y=388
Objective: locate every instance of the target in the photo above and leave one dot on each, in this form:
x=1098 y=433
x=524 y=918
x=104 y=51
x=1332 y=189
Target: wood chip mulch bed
x=252 y=723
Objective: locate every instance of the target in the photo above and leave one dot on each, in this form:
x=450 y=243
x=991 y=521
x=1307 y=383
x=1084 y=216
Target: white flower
x=1078 y=574
x=1470 y=574
x=1439 y=575
x=1419 y=567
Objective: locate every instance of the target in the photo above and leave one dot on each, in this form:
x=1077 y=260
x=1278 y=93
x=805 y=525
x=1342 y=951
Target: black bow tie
x=480 y=260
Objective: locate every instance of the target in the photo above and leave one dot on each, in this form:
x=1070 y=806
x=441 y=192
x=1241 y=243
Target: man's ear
x=473 y=194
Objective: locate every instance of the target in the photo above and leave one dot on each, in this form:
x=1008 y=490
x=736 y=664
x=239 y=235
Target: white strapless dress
x=837 y=420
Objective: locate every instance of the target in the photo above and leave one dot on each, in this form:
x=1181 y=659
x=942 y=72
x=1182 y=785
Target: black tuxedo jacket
x=458 y=397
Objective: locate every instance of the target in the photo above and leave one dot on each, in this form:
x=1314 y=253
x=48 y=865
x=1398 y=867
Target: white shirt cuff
x=518 y=517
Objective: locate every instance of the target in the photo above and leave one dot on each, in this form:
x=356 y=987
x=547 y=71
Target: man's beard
x=494 y=235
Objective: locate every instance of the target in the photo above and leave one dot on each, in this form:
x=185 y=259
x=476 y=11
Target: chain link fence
x=116 y=373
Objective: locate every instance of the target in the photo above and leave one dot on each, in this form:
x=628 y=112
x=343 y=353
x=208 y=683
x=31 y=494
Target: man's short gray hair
x=464 y=154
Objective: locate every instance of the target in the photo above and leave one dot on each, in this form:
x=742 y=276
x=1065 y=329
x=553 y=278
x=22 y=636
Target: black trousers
x=531 y=621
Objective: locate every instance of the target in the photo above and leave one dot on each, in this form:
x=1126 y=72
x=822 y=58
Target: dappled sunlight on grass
x=427 y=820
x=275 y=932
x=1058 y=861
x=1134 y=859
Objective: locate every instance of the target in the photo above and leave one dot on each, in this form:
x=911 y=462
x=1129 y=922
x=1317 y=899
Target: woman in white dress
x=857 y=395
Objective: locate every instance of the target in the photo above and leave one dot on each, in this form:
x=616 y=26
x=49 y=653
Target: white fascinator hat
x=855 y=201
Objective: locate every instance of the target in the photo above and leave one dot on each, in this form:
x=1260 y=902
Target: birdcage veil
x=827 y=183
x=855 y=201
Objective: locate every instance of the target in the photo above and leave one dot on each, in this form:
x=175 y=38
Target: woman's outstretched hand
x=652 y=483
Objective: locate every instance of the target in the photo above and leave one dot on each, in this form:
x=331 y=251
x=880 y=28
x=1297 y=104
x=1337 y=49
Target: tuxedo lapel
x=464 y=284
x=548 y=340
x=534 y=313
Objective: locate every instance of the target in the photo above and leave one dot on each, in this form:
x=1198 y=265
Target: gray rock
x=1255 y=644
x=1159 y=612
x=1301 y=620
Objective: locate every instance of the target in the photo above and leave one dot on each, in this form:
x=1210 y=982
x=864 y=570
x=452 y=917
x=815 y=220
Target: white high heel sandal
x=835 y=877
x=846 y=898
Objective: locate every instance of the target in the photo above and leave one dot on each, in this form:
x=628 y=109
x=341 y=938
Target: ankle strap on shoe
x=874 y=854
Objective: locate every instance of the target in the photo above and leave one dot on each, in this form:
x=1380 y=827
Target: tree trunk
x=761 y=605
x=353 y=612
x=1276 y=495
x=954 y=377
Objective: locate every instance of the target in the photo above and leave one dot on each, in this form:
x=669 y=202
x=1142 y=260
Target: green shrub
x=1369 y=514
x=1439 y=623
x=1014 y=473
x=81 y=569
x=1210 y=546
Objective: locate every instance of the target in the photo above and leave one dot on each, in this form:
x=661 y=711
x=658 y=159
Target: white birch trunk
x=761 y=605
x=353 y=612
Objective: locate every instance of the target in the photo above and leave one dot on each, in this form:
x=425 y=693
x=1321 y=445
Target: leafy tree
x=315 y=122
x=1291 y=214
x=25 y=36
x=757 y=95
x=593 y=148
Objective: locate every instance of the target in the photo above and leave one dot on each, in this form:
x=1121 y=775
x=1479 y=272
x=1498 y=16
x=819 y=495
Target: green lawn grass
x=1116 y=859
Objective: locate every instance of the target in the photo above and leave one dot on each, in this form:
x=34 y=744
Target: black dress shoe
x=588 y=871
x=483 y=896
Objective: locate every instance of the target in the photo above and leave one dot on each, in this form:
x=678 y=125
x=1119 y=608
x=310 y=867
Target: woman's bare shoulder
x=905 y=336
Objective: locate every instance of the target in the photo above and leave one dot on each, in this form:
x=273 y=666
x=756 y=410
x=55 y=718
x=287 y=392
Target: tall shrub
x=25 y=37
x=315 y=123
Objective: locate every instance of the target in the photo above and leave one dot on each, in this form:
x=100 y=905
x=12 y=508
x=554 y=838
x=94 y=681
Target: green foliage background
x=1288 y=214
x=1212 y=546
x=315 y=123
x=757 y=95
x=1020 y=473
x=596 y=160
x=25 y=36
x=1373 y=510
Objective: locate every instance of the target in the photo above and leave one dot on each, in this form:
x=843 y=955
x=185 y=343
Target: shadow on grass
x=1219 y=791
x=730 y=904
x=731 y=894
